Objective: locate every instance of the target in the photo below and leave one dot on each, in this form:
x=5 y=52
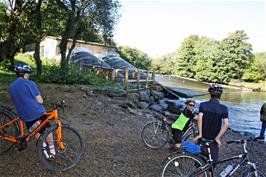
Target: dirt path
x=111 y=136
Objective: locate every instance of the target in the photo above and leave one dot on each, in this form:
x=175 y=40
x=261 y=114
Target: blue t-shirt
x=23 y=93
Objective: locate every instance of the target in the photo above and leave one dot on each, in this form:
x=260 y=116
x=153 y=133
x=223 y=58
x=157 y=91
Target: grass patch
x=52 y=74
x=260 y=86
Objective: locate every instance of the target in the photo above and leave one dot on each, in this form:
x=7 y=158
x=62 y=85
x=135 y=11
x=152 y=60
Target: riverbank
x=234 y=84
x=113 y=147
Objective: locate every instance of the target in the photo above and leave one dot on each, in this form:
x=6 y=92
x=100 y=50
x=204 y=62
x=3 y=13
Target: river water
x=243 y=105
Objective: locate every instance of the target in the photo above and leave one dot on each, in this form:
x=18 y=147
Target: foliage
x=165 y=64
x=135 y=57
x=209 y=60
x=3 y=21
x=236 y=56
x=256 y=71
x=52 y=74
x=186 y=57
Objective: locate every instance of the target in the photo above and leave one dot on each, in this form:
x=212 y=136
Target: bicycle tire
x=154 y=135
x=182 y=164
x=12 y=130
x=64 y=159
x=250 y=173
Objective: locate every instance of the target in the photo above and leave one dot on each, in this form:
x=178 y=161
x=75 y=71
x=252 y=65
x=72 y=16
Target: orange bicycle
x=67 y=141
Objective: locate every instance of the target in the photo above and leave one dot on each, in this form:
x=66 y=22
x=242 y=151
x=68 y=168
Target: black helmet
x=190 y=100
x=22 y=68
x=215 y=89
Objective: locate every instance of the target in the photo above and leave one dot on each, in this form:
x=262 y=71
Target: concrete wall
x=49 y=48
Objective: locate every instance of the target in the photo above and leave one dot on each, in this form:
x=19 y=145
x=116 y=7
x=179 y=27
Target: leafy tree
x=236 y=56
x=99 y=14
x=206 y=54
x=3 y=21
x=165 y=64
x=257 y=70
x=135 y=57
x=186 y=57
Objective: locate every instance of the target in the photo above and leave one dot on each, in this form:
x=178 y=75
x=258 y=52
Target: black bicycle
x=156 y=133
x=187 y=164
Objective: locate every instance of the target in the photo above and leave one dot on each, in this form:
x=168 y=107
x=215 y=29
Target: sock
x=52 y=149
x=44 y=145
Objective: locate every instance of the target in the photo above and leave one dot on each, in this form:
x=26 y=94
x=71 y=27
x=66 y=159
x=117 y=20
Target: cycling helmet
x=22 y=68
x=215 y=89
x=190 y=100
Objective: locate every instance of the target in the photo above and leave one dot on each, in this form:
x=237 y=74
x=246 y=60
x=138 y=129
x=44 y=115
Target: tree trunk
x=38 y=31
x=37 y=56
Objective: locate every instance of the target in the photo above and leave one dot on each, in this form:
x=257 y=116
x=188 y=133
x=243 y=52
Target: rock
x=156 y=107
x=136 y=112
x=171 y=116
x=142 y=105
x=145 y=95
x=133 y=97
x=163 y=103
x=157 y=95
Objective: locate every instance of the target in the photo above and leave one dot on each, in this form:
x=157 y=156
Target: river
x=243 y=105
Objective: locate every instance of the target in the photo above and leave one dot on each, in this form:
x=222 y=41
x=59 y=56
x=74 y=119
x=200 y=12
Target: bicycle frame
x=209 y=165
x=51 y=115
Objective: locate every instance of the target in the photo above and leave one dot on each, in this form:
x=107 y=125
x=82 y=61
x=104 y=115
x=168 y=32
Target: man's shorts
x=42 y=118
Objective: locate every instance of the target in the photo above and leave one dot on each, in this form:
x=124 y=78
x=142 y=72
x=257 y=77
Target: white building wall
x=48 y=48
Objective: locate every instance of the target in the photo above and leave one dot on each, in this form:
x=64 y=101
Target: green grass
x=52 y=74
x=260 y=86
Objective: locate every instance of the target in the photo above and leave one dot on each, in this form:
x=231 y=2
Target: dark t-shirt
x=190 y=115
x=213 y=114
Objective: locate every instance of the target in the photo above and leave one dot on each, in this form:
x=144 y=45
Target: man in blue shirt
x=213 y=120
x=28 y=101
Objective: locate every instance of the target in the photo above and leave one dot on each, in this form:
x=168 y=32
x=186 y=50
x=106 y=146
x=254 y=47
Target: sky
x=158 y=27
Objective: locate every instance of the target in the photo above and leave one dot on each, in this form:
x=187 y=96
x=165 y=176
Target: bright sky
x=158 y=27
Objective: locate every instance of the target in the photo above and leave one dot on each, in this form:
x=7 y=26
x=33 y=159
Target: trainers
x=260 y=138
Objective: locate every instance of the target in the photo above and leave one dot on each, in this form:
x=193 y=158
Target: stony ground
x=113 y=147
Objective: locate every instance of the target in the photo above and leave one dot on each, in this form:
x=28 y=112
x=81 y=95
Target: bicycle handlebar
x=59 y=105
x=241 y=141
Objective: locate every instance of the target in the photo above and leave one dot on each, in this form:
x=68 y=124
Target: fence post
x=138 y=79
x=147 y=79
x=153 y=79
x=113 y=74
x=126 y=80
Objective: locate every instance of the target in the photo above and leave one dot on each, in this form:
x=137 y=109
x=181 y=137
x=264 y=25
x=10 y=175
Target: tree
x=166 y=64
x=236 y=56
x=99 y=14
x=186 y=57
x=135 y=57
x=256 y=71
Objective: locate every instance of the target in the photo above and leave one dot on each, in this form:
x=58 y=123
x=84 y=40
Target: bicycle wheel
x=11 y=130
x=67 y=157
x=251 y=173
x=154 y=134
x=183 y=164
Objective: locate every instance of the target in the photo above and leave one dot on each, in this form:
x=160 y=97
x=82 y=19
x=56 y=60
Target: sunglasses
x=191 y=105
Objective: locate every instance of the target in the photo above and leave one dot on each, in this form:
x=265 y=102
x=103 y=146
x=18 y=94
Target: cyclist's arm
x=200 y=124
x=199 y=121
x=222 y=131
x=39 y=99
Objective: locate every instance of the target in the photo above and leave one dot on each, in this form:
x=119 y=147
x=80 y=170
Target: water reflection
x=243 y=105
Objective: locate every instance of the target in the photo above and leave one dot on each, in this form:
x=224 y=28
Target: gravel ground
x=113 y=147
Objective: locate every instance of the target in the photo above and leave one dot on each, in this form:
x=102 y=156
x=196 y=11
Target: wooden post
x=113 y=74
x=126 y=80
x=153 y=79
x=147 y=79
x=138 y=79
